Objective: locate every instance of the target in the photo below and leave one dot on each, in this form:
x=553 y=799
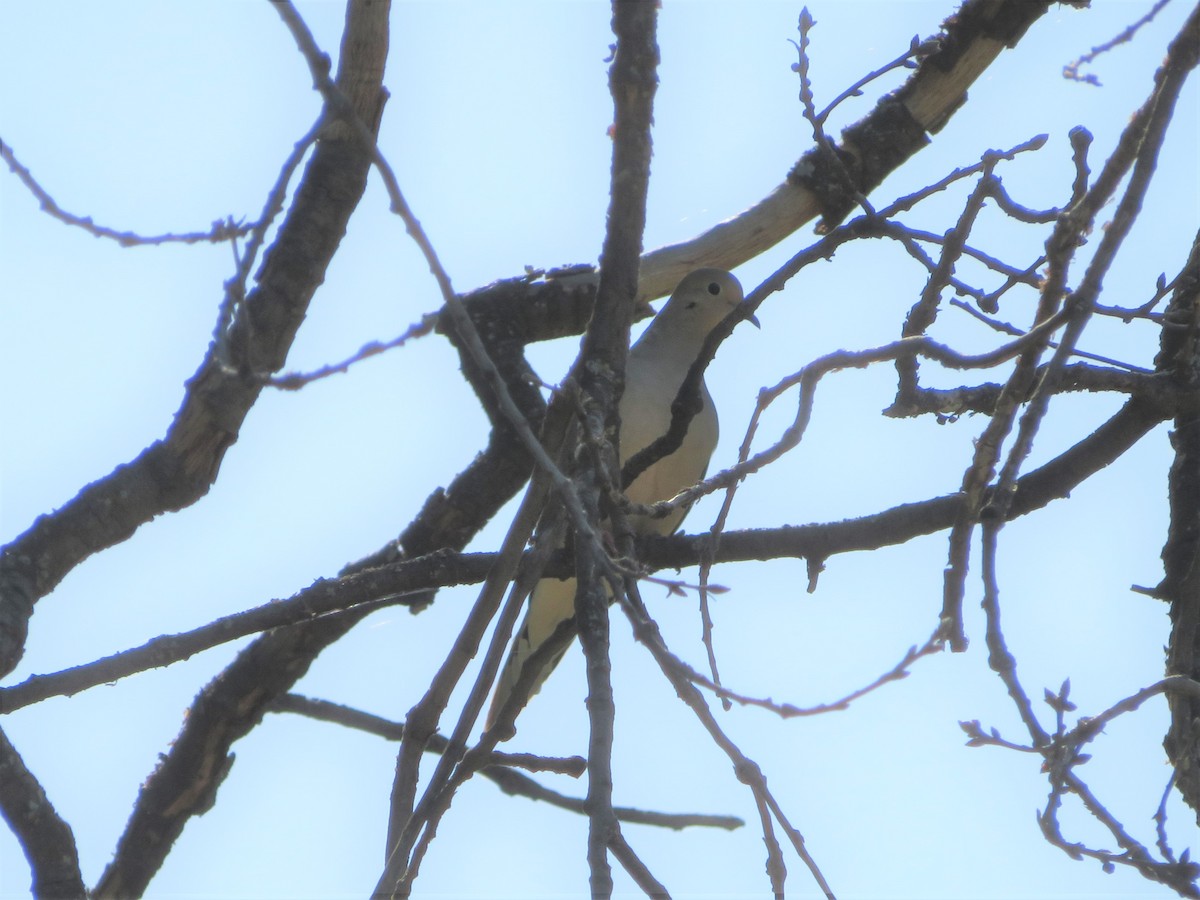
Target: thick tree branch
x=970 y=41
x=1179 y=358
x=177 y=471
x=633 y=81
x=45 y=837
x=205 y=427
x=174 y=472
x=315 y=610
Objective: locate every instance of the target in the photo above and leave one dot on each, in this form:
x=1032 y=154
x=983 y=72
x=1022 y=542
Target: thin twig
x=898 y=672
x=808 y=378
x=340 y=106
x=244 y=260
x=636 y=869
x=908 y=201
x=294 y=381
x=222 y=229
x=1071 y=69
x=917 y=49
x=747 y=771
x=501 y=770
x=827 y=150
x=1010 y=329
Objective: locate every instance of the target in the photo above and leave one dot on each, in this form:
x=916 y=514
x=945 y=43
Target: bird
x=654 y=372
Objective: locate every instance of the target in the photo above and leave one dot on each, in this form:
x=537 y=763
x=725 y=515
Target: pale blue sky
x=157 y=116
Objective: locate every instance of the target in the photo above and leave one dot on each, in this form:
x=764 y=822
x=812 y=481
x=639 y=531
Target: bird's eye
x=714 y=288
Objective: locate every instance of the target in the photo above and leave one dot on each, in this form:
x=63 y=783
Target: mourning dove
x=654 y=372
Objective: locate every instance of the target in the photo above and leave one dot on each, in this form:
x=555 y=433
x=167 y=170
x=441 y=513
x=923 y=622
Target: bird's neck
x=669 y=345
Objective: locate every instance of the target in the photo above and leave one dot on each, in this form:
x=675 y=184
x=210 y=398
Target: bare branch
x=188 y=460
x=294 y=382
x=1071 y=69
x=253 y=335
x=637 y=870
x=502 y=770
x=894 y=130
x=221 y=231
x=898 y=672
x=45 y=837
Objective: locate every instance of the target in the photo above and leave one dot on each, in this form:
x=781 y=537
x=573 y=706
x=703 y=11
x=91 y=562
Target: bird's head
x=702 y=299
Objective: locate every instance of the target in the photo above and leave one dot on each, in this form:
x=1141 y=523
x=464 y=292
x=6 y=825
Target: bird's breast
x=645 y=417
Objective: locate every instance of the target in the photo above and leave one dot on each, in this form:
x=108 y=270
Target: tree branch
x=45 y=837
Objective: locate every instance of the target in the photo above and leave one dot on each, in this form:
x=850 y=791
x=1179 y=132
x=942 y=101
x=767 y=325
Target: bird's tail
x=551 y=608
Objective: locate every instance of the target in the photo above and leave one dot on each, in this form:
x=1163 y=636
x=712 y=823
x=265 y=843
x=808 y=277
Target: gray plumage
x=654 y=372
